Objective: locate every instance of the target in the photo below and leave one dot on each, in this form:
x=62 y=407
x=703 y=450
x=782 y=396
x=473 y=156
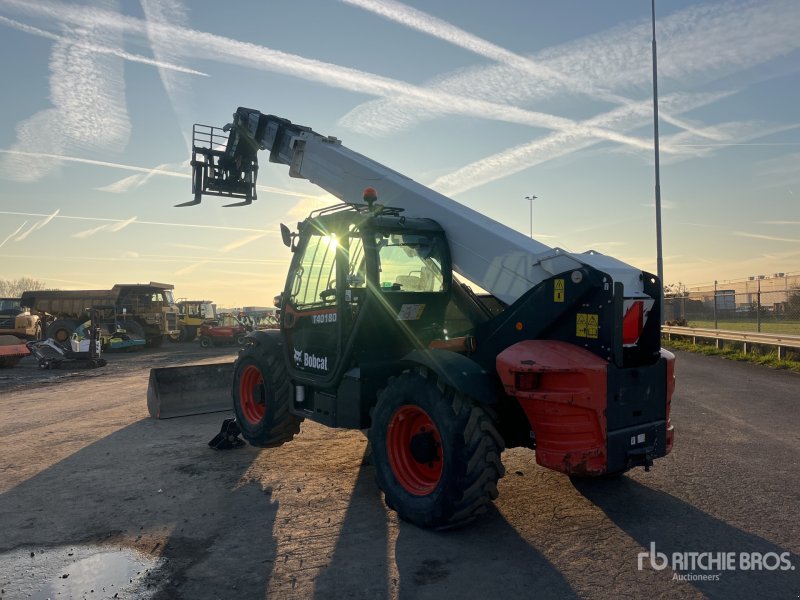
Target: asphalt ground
x=86 y=474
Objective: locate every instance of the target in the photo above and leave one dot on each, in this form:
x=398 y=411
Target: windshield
x=8 y=304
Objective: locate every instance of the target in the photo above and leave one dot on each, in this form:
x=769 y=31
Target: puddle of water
x=74 y=572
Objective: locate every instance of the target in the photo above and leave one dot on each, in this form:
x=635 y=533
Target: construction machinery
x=380 y=329
x=147 y=311
x=83 y=349
x=226 y=329
x=12 y=350
x=17 y=320
x=193 y=313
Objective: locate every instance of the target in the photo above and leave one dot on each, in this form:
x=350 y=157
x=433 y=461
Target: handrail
x=779 y=340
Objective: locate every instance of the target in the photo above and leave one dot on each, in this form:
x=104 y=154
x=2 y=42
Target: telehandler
x=381 y=330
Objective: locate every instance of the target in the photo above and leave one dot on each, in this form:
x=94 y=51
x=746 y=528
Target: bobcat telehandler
x=562 y=355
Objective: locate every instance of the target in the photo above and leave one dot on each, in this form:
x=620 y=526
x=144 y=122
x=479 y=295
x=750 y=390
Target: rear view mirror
x=286 y=236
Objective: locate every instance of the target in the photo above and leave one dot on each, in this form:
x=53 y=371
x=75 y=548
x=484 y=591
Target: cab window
x=410 y=262
x=314 y=279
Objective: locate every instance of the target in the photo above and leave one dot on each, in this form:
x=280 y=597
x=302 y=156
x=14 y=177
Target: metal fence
x=769 y=304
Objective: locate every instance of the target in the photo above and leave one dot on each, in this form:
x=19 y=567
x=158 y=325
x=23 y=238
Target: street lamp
x=531 y=198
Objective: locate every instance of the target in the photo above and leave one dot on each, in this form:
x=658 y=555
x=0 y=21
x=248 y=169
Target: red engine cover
x=565 y=405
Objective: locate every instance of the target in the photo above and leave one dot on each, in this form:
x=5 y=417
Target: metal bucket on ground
x=190 y=390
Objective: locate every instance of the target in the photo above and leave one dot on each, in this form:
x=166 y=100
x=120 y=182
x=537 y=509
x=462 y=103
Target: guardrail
x=746 y=338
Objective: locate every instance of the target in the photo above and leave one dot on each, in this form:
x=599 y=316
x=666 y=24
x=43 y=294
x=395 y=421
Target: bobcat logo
x=298 y=356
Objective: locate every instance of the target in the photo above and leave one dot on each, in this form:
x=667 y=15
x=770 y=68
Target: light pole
x=659 y=256
x=531 y=198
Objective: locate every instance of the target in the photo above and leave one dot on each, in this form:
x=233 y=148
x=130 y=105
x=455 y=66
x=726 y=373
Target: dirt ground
x=98 y=500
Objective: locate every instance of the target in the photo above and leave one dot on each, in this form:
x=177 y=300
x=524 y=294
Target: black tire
x=262 y=398
x=155 y=341
x=436 y=452
x=206 y=342
x=61 y=330
x=175 y=338
x=241 y=339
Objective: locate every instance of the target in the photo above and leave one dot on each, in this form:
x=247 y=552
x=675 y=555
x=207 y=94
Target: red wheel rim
x=252 y=394
x=411 y=427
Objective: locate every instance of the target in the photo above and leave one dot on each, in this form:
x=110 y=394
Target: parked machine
x=193 y=313
x=226 y=329
x=147 y=311
x=77 y=352
x=380 y=330
x=19 y=321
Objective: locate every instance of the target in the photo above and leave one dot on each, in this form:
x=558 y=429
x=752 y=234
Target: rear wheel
x=262 y=397
x=61 y=330
x=241 y=339
x=206 y=342
x=436 y=452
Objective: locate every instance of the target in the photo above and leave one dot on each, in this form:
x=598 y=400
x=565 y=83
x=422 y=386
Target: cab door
x=311 y=308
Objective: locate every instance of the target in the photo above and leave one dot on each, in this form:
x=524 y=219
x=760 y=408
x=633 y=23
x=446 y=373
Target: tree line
x=13 y=288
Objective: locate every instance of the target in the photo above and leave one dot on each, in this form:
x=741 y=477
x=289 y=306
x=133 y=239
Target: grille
x=172 y=320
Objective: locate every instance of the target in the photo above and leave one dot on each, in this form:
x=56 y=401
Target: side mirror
x=286 y=236
x=278 y=300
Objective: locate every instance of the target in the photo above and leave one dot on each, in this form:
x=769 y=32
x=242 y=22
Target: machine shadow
x=456 y=563
x=652 y=516
x=147 y=487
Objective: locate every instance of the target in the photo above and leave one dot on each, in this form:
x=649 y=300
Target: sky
x=489 y=103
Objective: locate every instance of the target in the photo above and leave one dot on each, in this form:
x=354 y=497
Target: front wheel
x=436 y=452
x=206 y=342
x=262 y=397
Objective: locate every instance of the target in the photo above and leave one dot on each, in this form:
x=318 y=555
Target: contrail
x=16 y=231
x=703 y=44
x=438 y=28
x=213 y=47
x=766 y=237
x=100 y=49
x=146 y=170
x=158 y=223
x=35 y=226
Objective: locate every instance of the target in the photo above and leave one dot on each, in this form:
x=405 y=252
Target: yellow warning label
x=587 y=326
x=558 y=290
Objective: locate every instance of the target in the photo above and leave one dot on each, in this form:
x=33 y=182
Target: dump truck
x=147 y=310
x=17 y=320
x=381 y=329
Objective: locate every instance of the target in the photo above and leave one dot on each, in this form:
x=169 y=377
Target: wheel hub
x=424 y=448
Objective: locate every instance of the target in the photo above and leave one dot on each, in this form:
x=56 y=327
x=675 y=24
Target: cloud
x=200 y=45
x=553 y=79
x=87 y=91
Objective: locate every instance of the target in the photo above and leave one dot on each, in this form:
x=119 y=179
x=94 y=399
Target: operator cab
x=366 y=285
